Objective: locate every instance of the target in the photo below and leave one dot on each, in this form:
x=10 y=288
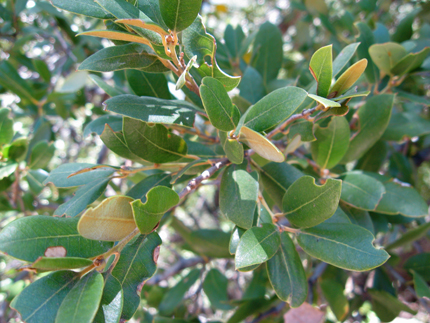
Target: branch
x=305 y=114
x=195 y=182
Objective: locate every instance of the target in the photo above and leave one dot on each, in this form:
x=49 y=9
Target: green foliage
x=296 y=155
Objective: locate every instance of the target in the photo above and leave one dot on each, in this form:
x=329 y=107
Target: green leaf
x=404 y=29
x=232 y=148
x=111 y=220
x=274 y=108
x=277 y=178
x=286 y=273
x=348 y=78
x=361 y=191
x=387 y=306
x=347 y=246
x=7 y=169
x=152 y=9
x=98 y=125
x=140 y=190
x=400 y=199
x=6 y=126
x=35 y=179
x=215 y=288
x=111 y=304
x=373 y=120
x=41 y=155
x=198 y=42
x=302 y=128
x=332 y=142
x=158 y=201
x=352 y=93
x=39 y=302
x=115 y=58
x=17 y=150
x=421 y=287
x=115 y=141
x=28 y=238
x=406 y=124
x=83 y=7
x=419 y=263
x=410 y=62
x=306 y=204
x=326 y=103
x=333 y=292
x=235 y=238
x=81 y=303
x=60 y=176
x=410 y=236
x=83 y=197
x=343 y=58
x=174 y=296
x=360 y=217
x=223 y=115
x=148 y=84
x=321 y=69
x=153 y=143
x=267 y=55
x=153 y=110
x=387 y=55
x=261 y=145
x=238 y=195
x=179 y=14
x=110 y=90
x=11 y=80
x=73 y=82
x=233 y=38
x=59 y=263
x=367 y=39
x=251 y=86
x=257 y=245
x=137 y=264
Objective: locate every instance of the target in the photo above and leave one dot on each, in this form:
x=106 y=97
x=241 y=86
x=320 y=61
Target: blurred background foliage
x=47 y=104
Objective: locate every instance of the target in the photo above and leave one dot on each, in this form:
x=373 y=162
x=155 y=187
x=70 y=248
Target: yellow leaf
x=116 y=35
x=111 y=220
x=348 y=78
x=141 y=24
x=221 y=8
x=247 y=57
x=261 y=145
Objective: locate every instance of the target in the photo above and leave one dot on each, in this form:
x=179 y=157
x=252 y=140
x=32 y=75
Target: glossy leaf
x=158 y=201
x=215 y=288
x=111 y=220
x=35 y=179
x=286 y=273
x=257 y=245
x=41 y=300
x=121 y=57
x=81 y=303
x=343 y=58
x=238 y=195
x=154 y=143
x=321 y=69
x=373 y=120
x=137 y=264
x=112 y=301
x=115 y=141
x=153 y=110
x=347 y=246
x=332 y=142
x=410 y=62
x=148 y=84
x=387 y=55
x=274 y=108
x=326 y=103
x=83 y=7
x=140 y=190
x=98 y=125
x=306 y=204
x=348 y=78
x=179 y=14
x=28 y=238
x=110 y=90
x=197 y=41
x=222 y=113
x=361 y=191
x=261 y=145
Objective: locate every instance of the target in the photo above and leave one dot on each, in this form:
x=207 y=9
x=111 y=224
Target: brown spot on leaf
x=156 y=254
x=58 y=251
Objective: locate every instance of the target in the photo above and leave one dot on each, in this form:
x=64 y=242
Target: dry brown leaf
x=305 y=313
